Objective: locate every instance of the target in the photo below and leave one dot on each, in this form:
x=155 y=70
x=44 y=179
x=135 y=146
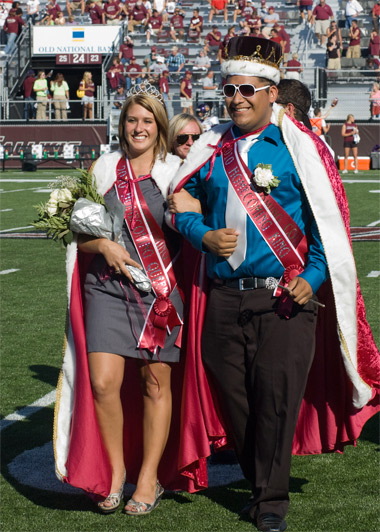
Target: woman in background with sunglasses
x=184 y=130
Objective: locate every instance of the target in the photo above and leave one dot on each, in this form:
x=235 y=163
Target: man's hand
x=221 y=242
x=182 y=201
x=300 y=290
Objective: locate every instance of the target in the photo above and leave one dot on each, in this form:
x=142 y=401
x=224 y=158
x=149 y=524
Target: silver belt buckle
x=241 y=285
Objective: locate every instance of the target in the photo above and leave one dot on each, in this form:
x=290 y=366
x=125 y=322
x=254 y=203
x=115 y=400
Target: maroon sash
x=150 y=245
x=277 y=228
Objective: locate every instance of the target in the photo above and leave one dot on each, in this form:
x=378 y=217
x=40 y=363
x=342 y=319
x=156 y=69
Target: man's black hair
x=295 y=92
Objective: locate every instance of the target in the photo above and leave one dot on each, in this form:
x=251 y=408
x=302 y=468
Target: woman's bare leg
x=355 y=154
x=156 y=426
x=346 y=154
x=107 y=373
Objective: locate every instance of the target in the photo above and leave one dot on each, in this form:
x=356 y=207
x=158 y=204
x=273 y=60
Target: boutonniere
x=263 y=177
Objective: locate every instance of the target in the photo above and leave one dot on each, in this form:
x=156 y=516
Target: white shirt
x=170 y=7
x=353 y=8
x=159 y=5
x=210 y=94
x=33 y=6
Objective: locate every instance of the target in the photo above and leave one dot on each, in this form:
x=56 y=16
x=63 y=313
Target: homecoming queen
x=126 y=342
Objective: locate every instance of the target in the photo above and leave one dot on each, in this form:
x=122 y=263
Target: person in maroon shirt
x=163 y=86
x=186 y=92
x=354 y=44
x=176 y=25
x=213 y=40
x=376 y=16
x=140 y=16
x=374 y=44
x=115 y=76
x=126 y=51
x=322 y=14
x=222 y=46
x=29 y=109
x=12 y=26
x=239 y=6
x=349 y=129
x=306 y=6
x=133 y=73
x=196 y=25
x=112 y=12
x=293 y=68
x=96 y=14
x=284 y=37
x=154 y=26
x=88 y=86
x=256 y=32
x=253 y=21
x=52 y=10
x=249 y=10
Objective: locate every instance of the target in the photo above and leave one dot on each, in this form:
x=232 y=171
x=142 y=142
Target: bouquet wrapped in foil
x=93 y=219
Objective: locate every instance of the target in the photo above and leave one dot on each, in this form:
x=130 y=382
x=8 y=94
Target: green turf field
x=329 y=493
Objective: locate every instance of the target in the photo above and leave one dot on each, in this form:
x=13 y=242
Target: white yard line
x=26 y=180
x=5 y=272
x=374 y=224
x=374 y=273
x=6 y=210
x=360 y=181
x=16 y=229
x=22 y=190
x=24 y=413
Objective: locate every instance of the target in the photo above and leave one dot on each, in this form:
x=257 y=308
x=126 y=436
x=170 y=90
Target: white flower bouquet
x=76 y=206
x=54 y=216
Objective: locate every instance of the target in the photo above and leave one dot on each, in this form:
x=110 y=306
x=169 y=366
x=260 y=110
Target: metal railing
x=18 y=61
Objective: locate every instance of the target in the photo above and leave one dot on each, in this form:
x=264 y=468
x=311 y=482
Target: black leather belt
x=246 y=283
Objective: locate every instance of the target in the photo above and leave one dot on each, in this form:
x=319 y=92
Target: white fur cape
x=104 y=172
x=336 y=244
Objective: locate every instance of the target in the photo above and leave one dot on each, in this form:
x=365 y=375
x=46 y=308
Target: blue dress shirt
x=259 y=260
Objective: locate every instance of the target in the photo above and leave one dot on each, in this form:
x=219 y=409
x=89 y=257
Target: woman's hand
x=116 y=256
x=182 y=201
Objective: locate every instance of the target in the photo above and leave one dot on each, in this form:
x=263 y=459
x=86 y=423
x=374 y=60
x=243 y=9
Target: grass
x=329 y=493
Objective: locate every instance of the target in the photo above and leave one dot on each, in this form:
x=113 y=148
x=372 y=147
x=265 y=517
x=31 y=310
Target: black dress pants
x=259 y=363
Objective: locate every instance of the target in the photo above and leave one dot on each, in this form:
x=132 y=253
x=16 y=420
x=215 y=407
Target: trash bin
x=29 y=164
x=375 y=160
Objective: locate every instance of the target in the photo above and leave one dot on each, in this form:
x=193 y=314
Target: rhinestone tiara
x=148 y=89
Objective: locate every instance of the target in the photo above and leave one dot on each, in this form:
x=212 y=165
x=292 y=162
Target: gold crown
x=256 y=57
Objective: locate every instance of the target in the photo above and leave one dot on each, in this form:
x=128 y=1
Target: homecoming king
x=275 y=215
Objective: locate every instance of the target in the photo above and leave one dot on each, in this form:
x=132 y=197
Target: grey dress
x=114 y=311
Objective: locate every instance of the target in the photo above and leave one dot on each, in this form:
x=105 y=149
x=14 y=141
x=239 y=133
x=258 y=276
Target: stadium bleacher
x=351 y=84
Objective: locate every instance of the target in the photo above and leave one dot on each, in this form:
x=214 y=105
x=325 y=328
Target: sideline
x=20 y=415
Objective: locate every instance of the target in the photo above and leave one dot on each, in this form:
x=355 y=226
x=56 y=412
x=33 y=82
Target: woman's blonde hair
x=177 y=123
x=349 y=116
x=86 y=76
x=158 y=110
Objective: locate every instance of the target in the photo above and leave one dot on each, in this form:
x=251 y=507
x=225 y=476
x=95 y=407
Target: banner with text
x=54 y=40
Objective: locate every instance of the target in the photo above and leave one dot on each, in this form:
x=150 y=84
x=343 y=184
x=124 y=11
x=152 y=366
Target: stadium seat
x=346 y=62
x=359 y=62
x=163 y=37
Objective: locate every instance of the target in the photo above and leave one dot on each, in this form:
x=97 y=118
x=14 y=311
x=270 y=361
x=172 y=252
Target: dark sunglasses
x=246 y=90
x=182 y=139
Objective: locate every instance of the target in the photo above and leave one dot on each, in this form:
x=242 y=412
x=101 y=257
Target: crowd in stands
x=156 y=21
